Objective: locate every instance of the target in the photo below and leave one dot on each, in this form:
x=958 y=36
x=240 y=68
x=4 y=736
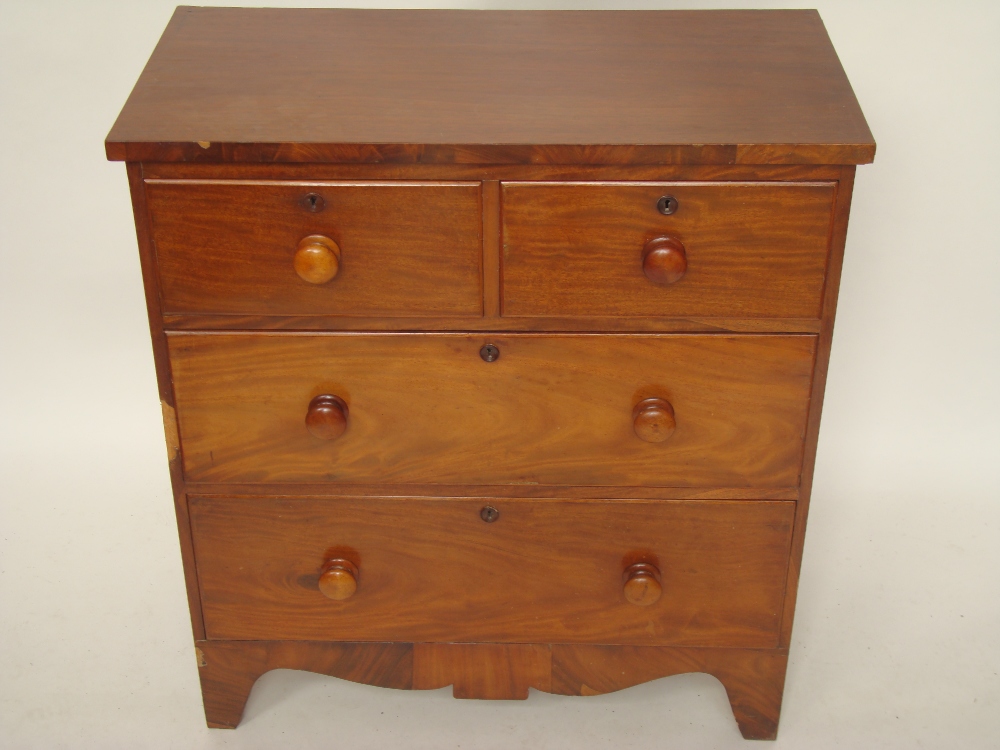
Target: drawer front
x=543 y=571
x=747 y=250
x=406 y=249
x=552 y=409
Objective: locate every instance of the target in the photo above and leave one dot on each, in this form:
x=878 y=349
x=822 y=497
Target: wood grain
x=545 y=571
x=164 y=382
x=405 y=248
x=491 y=249
x=551 y=410
x=228 y=670
x=327 y=172
x=490 y=671
x=752 y=249
x=838 y=239
x=753 y=678
x=198 y=322
x=596 y=493
x=646 y=87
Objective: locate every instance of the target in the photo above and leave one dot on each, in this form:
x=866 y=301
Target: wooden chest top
x=493 y=87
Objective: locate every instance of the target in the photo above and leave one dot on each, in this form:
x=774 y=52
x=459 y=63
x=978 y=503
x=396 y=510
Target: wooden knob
x=664 y=260
x=327 y=417
x=653 y=420
x=339 y=579
x=317 y=259
x=642 y=584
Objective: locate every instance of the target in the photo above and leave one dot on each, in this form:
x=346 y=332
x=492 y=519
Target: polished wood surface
x=326 y=417
x=753 y=678
x=664 y=260
x=642 y=584
x=653 y=420
x=408 y=248
x=338 y=579
x=581 y=492
x=549 y=324
x=228 y=84
x=492 y=671
x=838 y=239
x=622 y=494
x=154 y=313
x=544 y=571
x=327 y=172
x=751 y=249
x=317 y=259
x=229 y=669
x=551 y=410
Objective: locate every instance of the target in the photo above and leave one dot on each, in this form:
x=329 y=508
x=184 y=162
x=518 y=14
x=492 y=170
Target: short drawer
x=397 y=249
x=541 y=571
x=565 y=409
x=727 y=249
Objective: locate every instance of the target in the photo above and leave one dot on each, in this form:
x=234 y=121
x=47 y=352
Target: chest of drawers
x=491 y=345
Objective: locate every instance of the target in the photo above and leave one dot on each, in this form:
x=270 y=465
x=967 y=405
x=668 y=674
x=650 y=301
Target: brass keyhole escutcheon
x=489 y=514
x=489 y=353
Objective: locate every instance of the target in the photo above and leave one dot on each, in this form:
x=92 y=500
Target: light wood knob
x=664 y=260
x=642 y=584
x=327 y=417
x=317 y=259
x=339 y=579
x=653 y=420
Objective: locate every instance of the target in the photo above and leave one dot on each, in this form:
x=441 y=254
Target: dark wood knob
x=339 y=579
x=317 y=259
x=653 y=420
x=327 y=417
x=664 y=260
x=642 y=584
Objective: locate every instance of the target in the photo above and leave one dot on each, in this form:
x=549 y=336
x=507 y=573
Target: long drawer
x=541 y=571
x=616 y=410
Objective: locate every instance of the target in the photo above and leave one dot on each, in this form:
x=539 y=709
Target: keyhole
x=312 y=202
x=667 y=205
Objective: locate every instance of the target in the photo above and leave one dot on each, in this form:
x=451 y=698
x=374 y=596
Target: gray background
x=896 y=635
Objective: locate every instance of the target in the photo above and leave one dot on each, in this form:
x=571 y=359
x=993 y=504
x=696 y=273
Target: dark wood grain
x=406 y=248
x=752 y=249
x=485 y=172
x=545 y=571
x=492 y=671
x=229 y=669
x=646 y=87
x=551 y=410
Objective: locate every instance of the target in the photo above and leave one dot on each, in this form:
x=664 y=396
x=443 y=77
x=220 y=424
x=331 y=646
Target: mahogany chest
x=492 y=345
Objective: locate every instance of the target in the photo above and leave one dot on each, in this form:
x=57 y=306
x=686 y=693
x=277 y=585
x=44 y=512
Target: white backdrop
x=896 y=638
